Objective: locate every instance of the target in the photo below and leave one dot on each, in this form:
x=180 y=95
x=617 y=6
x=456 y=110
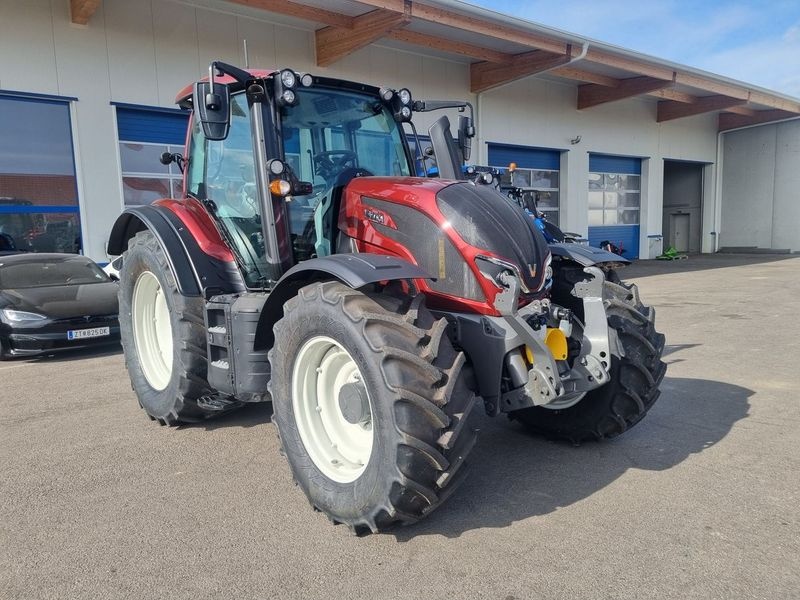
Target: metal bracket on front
x=543 y=384
x=590 y=369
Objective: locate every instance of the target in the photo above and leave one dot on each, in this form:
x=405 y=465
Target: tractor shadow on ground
x=249 y=415
x=515 y=475
x=673 y=348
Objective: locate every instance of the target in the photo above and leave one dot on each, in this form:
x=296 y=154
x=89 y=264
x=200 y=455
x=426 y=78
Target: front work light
x=284 y=84
x=399 y=102
x=288 y=97
x=288 y=78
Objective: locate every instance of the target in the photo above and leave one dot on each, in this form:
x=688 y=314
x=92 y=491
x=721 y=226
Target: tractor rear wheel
x=636 y=372
x=163 y=336
x=371 y=402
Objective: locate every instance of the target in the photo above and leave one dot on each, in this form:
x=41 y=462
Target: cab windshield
x=330 y=137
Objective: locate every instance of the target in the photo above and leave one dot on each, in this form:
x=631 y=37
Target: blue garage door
x=615 y=201
x=144 y=134
x=537 y=170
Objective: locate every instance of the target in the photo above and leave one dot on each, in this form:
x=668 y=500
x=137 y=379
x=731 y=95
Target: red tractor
x=308 y=265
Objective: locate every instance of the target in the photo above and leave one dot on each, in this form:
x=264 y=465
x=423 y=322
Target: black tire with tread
x=178 y=402
x=421 y=397
x=617 y=406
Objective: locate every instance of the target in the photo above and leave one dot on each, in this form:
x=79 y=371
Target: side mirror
x=212 y=109
x=466 y=131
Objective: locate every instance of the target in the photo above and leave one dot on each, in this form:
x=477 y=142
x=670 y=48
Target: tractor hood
x=486 y=219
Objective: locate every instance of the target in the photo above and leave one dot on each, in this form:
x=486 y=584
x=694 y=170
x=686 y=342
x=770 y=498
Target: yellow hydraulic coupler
x=556 y=341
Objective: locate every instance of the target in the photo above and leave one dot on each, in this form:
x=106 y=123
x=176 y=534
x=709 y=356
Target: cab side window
x=224 y=171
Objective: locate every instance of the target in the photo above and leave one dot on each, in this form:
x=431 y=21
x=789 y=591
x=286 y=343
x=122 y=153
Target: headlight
x=492 y=268
x=405 y=96
x=21 y=316
x=288 y=78
x=289 y=97
x=306 y=80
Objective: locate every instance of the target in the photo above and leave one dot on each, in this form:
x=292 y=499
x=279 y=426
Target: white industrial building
x=621 y=146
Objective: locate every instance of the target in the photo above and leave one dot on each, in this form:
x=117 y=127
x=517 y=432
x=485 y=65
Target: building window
x=544 y=185
x=145 y=133
x=614 y=199
x=537 y=173
x=144 y=178
x=39 y=208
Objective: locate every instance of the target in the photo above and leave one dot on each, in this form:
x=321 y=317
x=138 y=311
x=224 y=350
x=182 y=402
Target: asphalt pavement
x=700 y=500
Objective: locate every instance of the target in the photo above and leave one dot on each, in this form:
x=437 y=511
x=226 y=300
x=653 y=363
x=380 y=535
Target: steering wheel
x=327 y=165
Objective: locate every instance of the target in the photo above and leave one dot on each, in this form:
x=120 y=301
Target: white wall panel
x=131 y=51
x=26 y=31
x=217 y=38
x=786 y=212
x=260 y=38
x=748 y=187
x=177 y=63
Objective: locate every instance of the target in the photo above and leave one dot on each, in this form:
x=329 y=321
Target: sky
x=757 y=42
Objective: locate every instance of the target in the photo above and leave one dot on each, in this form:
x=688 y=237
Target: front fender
x=354 y=270
x=586 y=256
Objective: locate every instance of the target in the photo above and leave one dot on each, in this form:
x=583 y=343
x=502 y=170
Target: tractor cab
x=270 y=154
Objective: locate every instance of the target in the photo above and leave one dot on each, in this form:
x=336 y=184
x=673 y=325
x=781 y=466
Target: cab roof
x=184 y=97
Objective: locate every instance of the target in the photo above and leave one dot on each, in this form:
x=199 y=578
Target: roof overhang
x=501 y=49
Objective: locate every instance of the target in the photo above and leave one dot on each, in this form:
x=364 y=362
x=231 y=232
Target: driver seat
x=326 y=217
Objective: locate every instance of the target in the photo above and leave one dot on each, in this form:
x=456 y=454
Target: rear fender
x=196 y=273
x=353 y=270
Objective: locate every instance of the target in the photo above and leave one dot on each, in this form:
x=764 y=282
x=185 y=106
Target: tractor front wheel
x=163 y=336
x=371 y=403
x=636 y=372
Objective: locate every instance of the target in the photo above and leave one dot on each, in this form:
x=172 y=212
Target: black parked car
x=51 y=302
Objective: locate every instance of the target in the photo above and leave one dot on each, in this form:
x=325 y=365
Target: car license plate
x=82 y=334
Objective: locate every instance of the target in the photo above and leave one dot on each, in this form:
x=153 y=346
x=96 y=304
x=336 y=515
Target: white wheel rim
x=339 y=448
x=565 y=402
x=152 y=330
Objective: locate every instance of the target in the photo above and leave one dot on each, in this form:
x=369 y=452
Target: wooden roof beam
x=82 y=10
x=575 y=74
x=672 y=94
x=485 y=76
x=625 y=63
x=669 y=110
x=731 y=121
x=742 y=110
x=450 y=18
x=300 y=11
x=445 y=45
x=334 y=43
x=591 y=94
